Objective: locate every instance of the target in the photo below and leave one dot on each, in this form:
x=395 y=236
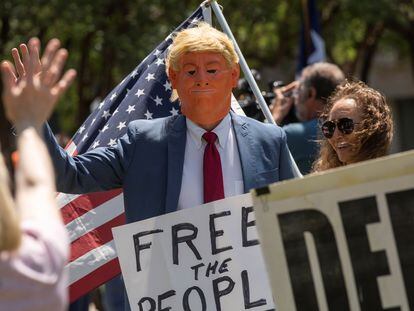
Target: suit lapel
x=176 y=148
x=246 y=151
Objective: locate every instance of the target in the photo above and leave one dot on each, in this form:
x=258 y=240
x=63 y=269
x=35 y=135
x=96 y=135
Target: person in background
x=308 y=95
x=357 y=126
x=34 y=246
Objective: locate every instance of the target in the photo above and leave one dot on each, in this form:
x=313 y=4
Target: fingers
x=25 y=55
x=50 y=51
x=284 y=96
x=18 y=62
x=279 y=93
x=291 y=86
x=34 y=48
x=287 y=103
x=34 y=43
x=8 y=77
x=33 y=62
x=287 y=89
x=28 y=65
x=282 y=103
x=51 y=76
x=30 y=56
x=65 y=82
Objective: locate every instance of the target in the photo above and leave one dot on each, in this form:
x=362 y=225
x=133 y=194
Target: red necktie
x=213 y=176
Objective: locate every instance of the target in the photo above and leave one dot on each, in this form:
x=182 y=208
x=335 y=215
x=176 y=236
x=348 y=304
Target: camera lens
x=275 y=84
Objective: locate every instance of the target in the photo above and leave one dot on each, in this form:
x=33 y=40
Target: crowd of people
x=341 y=121
x=209 y=152
x=308 y=96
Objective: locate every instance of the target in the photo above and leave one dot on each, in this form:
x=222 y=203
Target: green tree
x=108 y=38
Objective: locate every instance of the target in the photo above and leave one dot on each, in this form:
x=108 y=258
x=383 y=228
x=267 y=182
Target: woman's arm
x=10 y=235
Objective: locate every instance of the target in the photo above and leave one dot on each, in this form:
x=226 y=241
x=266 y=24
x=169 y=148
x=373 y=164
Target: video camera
x=249 y=104
x=247 y=100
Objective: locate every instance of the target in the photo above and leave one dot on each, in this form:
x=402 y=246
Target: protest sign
x=203 y=258
x=343 y=239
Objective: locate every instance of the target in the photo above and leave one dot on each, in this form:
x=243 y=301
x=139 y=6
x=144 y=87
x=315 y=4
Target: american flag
x=144 y=93
x=312 y=45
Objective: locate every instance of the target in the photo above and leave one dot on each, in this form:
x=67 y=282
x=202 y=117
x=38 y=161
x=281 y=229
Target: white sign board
x=341 y=240
x=203 y=258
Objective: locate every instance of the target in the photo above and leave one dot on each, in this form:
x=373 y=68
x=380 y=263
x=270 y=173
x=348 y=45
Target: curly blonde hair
x=375 y=131
x=202 y=38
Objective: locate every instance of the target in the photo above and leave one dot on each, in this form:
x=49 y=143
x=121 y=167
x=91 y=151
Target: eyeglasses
x=345 y=125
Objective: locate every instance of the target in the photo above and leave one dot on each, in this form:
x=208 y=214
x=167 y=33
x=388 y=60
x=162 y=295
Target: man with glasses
x=309 y=96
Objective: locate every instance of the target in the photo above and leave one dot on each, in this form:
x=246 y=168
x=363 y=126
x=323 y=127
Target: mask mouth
x=203 y=91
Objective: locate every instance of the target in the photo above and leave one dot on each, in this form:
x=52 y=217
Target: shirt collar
x=221 y=130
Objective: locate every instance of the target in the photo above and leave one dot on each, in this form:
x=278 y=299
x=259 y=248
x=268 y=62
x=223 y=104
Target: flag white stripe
x=90 y=261
x=71 y=148
x=96 y=217
x=64 y=199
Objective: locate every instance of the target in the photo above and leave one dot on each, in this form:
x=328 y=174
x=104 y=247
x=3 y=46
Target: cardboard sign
x=203 y=258
x=341 y=240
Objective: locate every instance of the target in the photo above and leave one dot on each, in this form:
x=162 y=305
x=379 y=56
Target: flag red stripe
x=85 y=203
x=96 y=278
x=71 y=148
x=68 y=144
x=95 y=238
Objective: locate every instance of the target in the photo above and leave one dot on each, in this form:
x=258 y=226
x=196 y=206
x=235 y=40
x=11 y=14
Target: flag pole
x=243 y=64
x=248 y=75
x=207 y=12
x=235 y=106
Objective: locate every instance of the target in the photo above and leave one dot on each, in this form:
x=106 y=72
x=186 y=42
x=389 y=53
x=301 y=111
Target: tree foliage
x=107 y=38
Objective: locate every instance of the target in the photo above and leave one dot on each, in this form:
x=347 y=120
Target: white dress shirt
x=192 y=193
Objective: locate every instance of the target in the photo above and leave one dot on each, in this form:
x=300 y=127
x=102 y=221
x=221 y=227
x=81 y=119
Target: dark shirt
x=302 y=142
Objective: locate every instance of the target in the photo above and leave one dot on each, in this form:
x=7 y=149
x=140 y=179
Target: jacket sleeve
x=97 y=170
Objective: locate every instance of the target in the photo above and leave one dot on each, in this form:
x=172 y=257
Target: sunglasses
x=345 y=126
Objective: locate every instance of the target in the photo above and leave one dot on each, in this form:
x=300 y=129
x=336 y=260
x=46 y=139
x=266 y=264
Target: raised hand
x=33 y=87
x=283 y=101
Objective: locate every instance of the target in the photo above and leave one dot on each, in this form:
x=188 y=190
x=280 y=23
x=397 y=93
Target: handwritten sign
x=341 y=240
x=203 y=258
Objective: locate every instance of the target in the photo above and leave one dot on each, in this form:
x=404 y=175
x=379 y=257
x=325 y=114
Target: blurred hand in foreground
x=32 y=87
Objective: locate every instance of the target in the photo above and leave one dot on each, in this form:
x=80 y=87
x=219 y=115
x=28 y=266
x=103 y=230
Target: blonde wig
x=202 y=38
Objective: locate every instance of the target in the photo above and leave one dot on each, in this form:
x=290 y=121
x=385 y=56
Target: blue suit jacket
x=148 y=162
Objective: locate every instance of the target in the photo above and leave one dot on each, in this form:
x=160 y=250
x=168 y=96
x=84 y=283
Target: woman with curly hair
x=356 y=124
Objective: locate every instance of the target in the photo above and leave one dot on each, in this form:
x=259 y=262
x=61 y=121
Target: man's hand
x=282 y=103
x=32 y=87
